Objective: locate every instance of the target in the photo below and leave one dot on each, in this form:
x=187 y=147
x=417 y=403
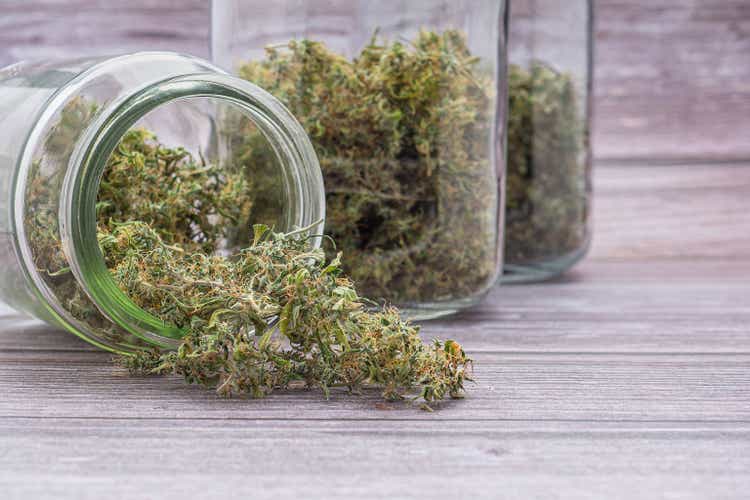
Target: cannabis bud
x=403 y=132
x=273 y=313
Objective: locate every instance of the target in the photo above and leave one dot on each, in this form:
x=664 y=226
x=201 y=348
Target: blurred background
x=671 y=88
x=672 y=77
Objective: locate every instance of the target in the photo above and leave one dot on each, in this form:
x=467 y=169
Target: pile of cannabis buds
x=159 y=240
x=402 y=133
x=332 y=339
x=277 y=312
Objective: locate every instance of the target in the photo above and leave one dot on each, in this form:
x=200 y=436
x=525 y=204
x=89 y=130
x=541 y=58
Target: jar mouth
x=300 y=172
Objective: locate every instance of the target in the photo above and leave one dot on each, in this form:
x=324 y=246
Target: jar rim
x=78 y=224
x=77 y=211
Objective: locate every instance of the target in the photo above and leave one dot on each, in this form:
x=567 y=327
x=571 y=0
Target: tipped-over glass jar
x=548 y=193
x=61 y=122
x=404 y=102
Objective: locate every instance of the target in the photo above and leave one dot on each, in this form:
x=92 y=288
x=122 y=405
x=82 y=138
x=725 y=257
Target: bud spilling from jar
x=91 y=145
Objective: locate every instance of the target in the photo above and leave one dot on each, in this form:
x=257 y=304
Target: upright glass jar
x=404 y=103
x=548 y=193
x=60 y=122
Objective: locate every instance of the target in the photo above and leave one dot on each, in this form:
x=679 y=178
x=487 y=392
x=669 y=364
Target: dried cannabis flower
x=325 y=336
x=255 y=321
x=547 y=176
x=41 y=221
x=158 y=242
x=403 y=133
x=191 y=203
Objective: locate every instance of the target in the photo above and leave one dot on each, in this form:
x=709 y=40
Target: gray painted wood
x=103 y=458
x=665 y=307
x=542 y=387
x=681 y=211
x=70 y=28
x=670 y=79
x=627 y=378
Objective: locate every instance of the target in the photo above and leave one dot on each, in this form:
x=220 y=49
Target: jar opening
x=196 y=160
x=220 y=123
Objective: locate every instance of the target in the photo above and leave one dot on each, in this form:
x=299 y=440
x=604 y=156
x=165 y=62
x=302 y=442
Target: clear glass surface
x=60 y=123
x=548 y=189
x=413 y=167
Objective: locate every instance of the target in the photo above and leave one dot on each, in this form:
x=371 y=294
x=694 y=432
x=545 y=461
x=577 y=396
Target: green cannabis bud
x=273 y=313
x=403 y=132
x=229 y=307
x=547 y=191
x=41 y=221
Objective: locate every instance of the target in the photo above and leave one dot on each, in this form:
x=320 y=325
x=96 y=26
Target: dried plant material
x=158 y=243
x=41 y=222
x=194 y=203
x=547 y=189
x=254 y=321
x=189 y=202
x=229 y=308
x=404 y=135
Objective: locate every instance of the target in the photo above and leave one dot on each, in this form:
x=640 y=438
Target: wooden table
x=627 y=378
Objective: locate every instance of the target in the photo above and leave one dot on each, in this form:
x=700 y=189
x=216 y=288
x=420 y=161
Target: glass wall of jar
x=61 y=122
x=548 y=189
x=404 y=103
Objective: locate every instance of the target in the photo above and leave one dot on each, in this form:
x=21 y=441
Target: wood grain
x=625 y=307
x=646 y=211
x=627 y=378
x=671 y=78
x=537 y=424
x=101 y=458
x=530 y=387
x=42 y=29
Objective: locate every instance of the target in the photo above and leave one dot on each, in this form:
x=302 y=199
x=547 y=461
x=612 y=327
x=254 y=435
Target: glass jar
x=548 y=179
x=61 y=121
x=404 y=103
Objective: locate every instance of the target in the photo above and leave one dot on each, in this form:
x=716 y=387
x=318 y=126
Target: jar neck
x=298 y=164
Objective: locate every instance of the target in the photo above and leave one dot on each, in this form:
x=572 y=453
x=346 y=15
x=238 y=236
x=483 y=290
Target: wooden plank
x=628 y=306
x=671 y=79
x=41 y=29
x=121 y=459
x=538 y=387
x=651 y=211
